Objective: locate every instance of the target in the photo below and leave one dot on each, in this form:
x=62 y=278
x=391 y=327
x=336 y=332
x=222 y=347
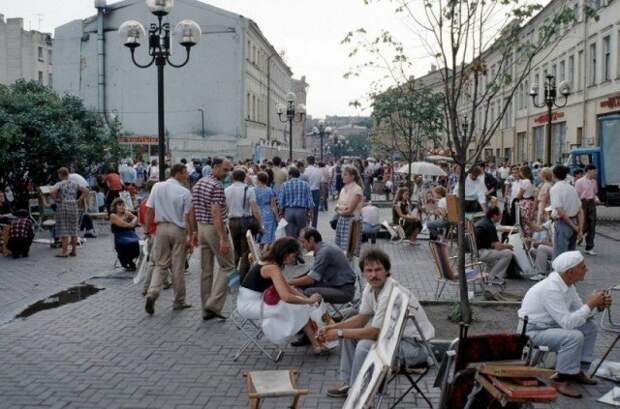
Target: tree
x=406 y=119
x=484 y=54
x=41 y=131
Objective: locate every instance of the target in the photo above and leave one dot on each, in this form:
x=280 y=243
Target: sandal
x=320 y=351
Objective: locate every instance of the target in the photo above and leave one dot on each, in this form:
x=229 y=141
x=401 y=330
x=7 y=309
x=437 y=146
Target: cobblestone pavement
x=106 y=352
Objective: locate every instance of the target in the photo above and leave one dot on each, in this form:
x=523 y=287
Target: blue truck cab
x=606 y=158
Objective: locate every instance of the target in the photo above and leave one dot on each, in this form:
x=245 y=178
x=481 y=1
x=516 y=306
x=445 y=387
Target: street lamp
x=132 y=34
x=321 y=131
x=549 y=101
x=290 y=113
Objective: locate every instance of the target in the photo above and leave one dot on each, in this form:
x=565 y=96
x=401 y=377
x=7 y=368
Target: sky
x=309 y=31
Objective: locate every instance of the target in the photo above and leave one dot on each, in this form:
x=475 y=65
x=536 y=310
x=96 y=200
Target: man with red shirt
x=587 y=190
x=114 y=185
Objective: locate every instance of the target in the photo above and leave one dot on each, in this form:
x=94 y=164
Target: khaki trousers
x=169 y=251
x=214 y=285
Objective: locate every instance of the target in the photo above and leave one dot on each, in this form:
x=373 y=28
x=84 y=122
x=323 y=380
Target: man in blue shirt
x=295 y=203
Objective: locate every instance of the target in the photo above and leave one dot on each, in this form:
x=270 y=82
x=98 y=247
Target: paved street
x=106 y=352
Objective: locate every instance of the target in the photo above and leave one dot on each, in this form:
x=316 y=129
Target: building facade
x=216 y=105
x=24 y=54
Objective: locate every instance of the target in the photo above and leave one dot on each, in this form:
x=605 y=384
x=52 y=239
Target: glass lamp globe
x=279 y=108
x=291 y=97
x=328 y=130
x=160 y=7
x=187 y=33
x=301 y=109
x=132 y=33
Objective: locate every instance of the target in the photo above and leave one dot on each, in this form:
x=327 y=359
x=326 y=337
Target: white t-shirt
x=528 y=188
x=171 y=202
x=370 y=215
x=564 y=196
x=442 y=203
x=234 y=199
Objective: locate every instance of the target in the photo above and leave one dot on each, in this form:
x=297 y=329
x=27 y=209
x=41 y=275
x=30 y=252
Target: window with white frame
x=40 y=53
x=580 y=65
x=592 y=66
x=606 y=58
x=562 y=71
x=536 y=86
x=571 y=71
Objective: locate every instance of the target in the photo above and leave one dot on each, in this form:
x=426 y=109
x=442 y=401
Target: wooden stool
x=273 y=384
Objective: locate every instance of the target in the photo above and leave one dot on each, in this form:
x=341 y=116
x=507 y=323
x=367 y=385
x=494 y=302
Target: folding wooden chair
x=446 y=274
x=273 y=384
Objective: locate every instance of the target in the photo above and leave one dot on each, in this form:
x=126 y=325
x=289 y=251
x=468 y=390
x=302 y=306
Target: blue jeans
x=565 y=238
x=316 y=198
x=370 y=231
x=352 y=356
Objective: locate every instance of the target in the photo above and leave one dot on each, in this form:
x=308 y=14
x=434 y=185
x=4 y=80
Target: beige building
x=24 y=54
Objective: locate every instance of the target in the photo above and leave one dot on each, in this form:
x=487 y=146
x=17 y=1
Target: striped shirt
x=209 y=191
x=295 y=193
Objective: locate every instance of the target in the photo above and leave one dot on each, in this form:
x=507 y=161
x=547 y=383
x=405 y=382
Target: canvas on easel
x=369 y=378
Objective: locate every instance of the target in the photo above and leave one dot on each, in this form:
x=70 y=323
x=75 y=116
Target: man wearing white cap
x=558 y=319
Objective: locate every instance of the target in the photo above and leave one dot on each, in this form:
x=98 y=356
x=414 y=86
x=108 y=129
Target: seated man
x=361 y=331
x=370 y=221
x=331 y=275
x=541 y=249
x=22 y=234
x=558 y=319
x=495 y=254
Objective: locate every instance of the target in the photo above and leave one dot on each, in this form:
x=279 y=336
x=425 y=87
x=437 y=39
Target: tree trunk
x=465 y=307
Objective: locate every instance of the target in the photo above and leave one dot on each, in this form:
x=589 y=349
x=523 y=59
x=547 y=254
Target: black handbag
x=249 y=222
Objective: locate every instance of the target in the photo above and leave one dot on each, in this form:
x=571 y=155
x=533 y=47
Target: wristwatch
x=339 y=333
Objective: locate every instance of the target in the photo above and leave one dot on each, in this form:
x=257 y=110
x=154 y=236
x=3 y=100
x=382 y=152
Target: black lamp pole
x=549 y=100
x=159 y=50
x=292 y=113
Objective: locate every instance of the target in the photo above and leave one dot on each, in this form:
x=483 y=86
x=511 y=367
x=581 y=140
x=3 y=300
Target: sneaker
x=591 y=252
x=537 y=277
x=340 y=391
x=183 y=306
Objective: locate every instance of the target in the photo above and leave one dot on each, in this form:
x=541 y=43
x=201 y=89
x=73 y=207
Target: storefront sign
x=611 y=102
x=137 y=139
x=544 y=118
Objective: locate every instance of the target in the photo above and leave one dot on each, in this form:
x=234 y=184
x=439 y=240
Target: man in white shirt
x=370 y=221
x=361 y=331
x=241 y=203
x=566 y=211
x=558 y=319
x=170 y=206
x=475 y=191
x=312 y=175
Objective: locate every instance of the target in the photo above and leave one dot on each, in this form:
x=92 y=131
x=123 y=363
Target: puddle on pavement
x=68 y=296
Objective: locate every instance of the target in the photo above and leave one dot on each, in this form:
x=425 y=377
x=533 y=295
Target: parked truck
x=606 y=158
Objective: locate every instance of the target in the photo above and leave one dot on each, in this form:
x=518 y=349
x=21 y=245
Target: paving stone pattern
x=106 y=352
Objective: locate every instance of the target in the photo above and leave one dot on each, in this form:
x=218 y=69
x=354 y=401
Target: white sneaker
x=537 y=277
x=591 y=252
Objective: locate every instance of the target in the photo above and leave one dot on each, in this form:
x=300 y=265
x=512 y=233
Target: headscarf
x=566 y=261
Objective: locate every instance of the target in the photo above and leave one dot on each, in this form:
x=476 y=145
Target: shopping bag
x=281 y=229
x=321 y=318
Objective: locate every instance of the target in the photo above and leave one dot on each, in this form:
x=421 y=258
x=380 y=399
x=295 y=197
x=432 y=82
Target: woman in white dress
x=266 y=295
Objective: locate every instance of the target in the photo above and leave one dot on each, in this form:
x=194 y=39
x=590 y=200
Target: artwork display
x=395 y=316
x=371 y=375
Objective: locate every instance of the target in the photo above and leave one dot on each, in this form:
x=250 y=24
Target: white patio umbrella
x=422 y=168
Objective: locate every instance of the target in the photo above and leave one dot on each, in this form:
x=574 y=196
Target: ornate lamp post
x=322 y=131
x=549 y=101
x=187 y=34
x=289 y=114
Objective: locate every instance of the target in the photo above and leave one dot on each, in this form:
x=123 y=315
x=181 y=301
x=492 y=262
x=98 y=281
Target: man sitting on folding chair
x=331 y=275
x=558 y=319
x=361 y=331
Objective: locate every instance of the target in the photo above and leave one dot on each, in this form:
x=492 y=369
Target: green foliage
x=41 y=131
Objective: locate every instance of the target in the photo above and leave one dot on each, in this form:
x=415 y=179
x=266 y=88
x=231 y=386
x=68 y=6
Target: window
x=539 y=142
x=521 y=147
x=248 y=102
x=249 y=51
x=558 y=142
x=606 y=59
x=254 y=107
x=562 y=72
x=580 y=69
x=49 y=56
x=40 y=53
x=49 y=80
x=40 y=77
x=488 y=154
x=592 y=67
x=536 y=87
x=554 y=71
x=508 y=154
x=571 y=71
